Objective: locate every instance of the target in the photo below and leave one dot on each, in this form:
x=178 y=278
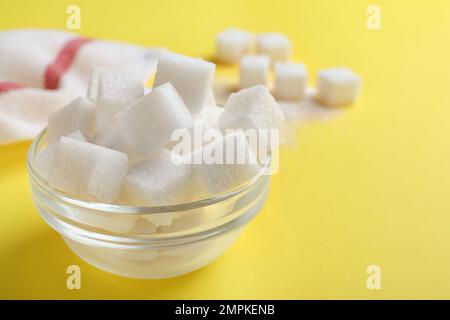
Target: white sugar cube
x=232 y=44
x=113 y=137
x=150 y=122
x=158 y=180
x=211 y=99
x=87 y=170
x=255 y=111
x=201 y=133
x=45 y=158
x=109 y=137
x=290 y=81
x=251 y=108
x=191 y=77
x=77 y=115
x=119 y=86
x=275 y=45
x=105 y=182
x=117 y=89
x=254 y=70
x=225 y=163
x=92 y=90
x=337 y=86
x=211 y=114
x=77 y=135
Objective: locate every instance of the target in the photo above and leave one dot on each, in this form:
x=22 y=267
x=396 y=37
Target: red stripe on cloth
x=62 y=62
x=7 y=86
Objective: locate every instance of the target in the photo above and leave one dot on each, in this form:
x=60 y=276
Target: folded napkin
x=42 y=70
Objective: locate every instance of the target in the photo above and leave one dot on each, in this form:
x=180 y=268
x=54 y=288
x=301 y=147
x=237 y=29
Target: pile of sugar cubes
x=256 y=54
x=115 y=145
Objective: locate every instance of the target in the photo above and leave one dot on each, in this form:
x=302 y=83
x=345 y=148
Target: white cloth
x=24 y=57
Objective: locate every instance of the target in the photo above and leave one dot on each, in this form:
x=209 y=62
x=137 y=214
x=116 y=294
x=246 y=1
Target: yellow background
x=370 y=187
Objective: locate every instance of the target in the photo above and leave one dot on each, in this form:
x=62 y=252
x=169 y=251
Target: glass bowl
x=147 y=242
